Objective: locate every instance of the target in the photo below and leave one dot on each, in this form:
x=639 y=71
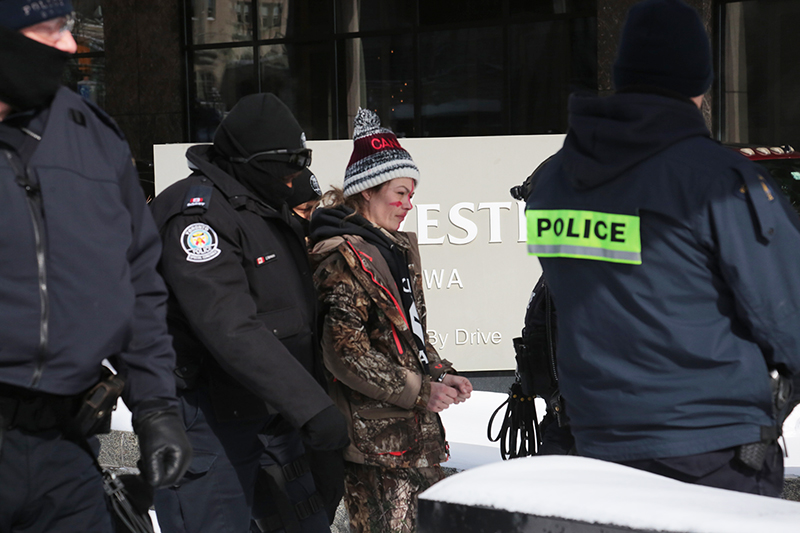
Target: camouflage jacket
x=374 y=373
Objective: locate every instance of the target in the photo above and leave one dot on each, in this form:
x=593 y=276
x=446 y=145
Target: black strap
x=296 y=468
x=519 y=433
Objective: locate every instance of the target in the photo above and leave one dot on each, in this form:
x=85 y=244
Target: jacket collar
x=199 y=158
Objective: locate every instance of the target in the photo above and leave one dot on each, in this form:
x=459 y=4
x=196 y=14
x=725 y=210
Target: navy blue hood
x=609 y=136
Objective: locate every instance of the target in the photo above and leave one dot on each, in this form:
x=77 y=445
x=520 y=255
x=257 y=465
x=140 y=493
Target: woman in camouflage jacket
x=383 y=373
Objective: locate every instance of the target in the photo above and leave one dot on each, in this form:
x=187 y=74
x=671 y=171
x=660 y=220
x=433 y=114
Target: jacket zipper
x=35 y=208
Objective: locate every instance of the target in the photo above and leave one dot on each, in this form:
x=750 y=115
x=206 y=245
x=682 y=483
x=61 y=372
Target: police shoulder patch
x=200 y=243
x=197 y=199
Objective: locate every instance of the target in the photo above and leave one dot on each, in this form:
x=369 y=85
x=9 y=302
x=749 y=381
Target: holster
x=94 y=413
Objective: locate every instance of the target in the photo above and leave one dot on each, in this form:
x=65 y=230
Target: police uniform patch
x=200 y=243
x=197 y=199
x=600 y=236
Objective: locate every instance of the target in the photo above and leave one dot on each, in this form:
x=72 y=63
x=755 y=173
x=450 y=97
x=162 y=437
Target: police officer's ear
x=522 y=192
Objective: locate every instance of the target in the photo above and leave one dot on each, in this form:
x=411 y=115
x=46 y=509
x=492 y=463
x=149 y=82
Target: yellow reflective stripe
x=584 y=234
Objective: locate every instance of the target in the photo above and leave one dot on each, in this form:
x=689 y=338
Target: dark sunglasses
x=300 y=157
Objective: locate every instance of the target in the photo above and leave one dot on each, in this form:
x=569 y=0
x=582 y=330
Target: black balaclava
x=259 y=123
x=30 y=72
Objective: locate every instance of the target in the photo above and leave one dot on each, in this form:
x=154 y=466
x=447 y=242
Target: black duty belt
x=35 y=411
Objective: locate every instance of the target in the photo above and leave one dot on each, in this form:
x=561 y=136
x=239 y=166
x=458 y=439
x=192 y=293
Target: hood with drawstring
x=609 y=136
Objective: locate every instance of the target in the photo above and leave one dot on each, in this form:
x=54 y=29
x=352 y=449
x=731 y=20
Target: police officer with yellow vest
x=672 y=261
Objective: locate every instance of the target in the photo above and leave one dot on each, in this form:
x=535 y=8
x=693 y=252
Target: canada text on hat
x=18 y=14
x=377 y=156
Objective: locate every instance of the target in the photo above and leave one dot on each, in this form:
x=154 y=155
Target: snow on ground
x=600 y=486
x=465 y=425
x=613 y=494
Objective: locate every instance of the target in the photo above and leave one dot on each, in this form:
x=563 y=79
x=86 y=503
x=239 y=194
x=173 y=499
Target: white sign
x=476 y=270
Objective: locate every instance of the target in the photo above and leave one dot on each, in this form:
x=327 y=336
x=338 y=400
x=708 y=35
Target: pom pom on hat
x=377 y=156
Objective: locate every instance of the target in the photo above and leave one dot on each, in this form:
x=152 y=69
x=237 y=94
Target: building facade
x=168 y=71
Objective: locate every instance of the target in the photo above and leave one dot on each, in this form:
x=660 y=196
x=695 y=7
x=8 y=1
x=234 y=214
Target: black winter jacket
x=667 y=356
x=242 y=303
x=78 y=280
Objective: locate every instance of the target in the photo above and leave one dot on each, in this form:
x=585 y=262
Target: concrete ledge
x=581 y=495
x=466 y=519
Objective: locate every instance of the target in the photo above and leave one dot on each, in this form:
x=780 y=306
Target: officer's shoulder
x=702 y=161
x=190 y=196
x=84 y=112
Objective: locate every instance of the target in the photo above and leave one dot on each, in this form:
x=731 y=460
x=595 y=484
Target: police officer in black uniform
x=78 y=284
x=672 y=262
x=242 y=313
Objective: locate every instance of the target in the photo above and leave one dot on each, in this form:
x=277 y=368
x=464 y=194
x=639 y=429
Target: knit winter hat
x=18 y=14
x=664 y=44
x=377 y=156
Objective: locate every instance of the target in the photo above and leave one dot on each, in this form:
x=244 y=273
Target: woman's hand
x=442 y=396
x=452 y=389
x=460 y=384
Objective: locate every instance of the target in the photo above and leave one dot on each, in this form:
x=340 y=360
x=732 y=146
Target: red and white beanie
x=377 y=156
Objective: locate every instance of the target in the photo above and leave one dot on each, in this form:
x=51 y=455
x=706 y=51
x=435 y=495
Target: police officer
x=242 y=312
x=672 y=261
x=78 y=284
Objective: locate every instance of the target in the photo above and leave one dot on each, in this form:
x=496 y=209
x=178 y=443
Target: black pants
x=721 y=469
x=49 y=484
x=217 y=493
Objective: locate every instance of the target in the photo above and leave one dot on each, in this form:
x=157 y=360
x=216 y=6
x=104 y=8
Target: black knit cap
x=664 y=44
x=258 y=123
x=18 y=14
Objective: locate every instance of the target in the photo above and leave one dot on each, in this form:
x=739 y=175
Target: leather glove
x=327 y=430
x=165 y=449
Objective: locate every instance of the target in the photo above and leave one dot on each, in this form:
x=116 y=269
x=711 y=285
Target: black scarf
x=30 y=72
x=331 y=222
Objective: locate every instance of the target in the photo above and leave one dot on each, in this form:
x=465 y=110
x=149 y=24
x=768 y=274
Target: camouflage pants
x=384 y=500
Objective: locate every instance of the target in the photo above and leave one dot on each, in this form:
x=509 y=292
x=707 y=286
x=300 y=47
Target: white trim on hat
x=382 y=173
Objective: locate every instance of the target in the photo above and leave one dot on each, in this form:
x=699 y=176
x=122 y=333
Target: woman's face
x=388 y=205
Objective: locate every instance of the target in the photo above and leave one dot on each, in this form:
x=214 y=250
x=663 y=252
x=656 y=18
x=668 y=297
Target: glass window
x=86 y=76
x=219 y=21
x=88 y=30
x=548 y=61
x=221 y=78
x=462 y=82
x=307 y=18
x=358 y=15
x=486 y=68
x=450 y=11
x=380 y=76
x=272 y=19
x=759 y=87
x=302 y=76
x=551 y=7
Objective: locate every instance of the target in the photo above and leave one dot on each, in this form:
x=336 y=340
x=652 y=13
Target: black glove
x=327 y=430
x=166 y=452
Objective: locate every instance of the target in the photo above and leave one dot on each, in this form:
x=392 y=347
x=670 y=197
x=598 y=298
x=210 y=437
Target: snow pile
x=588 y=490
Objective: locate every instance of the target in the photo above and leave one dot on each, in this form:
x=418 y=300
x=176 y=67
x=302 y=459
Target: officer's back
x=668 y=260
